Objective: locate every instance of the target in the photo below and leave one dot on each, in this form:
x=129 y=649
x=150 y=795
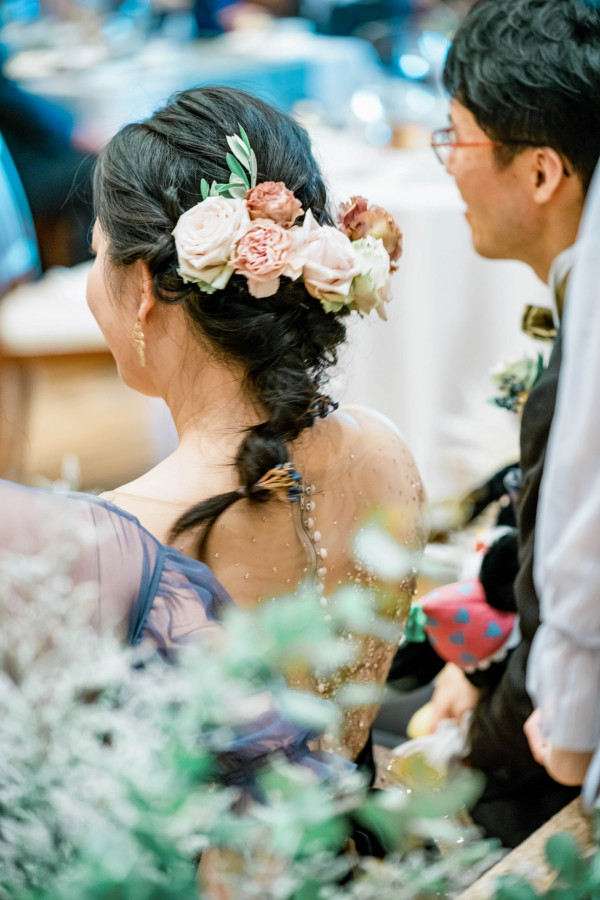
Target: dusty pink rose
x=330 y=266
x=262 y=256
x=272 y=200
x=357 y=219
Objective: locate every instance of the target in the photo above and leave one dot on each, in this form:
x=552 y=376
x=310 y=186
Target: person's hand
x=454 y=695
x=565 y=766
x=568 y=767
x=537 y=742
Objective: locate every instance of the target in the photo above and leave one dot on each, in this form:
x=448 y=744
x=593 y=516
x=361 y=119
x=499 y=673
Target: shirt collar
x=557 y=279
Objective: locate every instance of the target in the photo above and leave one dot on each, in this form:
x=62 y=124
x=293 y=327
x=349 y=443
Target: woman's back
x=352 y=464
x=222 y=284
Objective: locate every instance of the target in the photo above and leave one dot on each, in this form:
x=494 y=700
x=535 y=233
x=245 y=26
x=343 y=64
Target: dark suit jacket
x=519 y=796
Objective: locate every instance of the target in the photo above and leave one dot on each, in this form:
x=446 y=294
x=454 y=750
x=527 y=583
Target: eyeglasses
x=443 y=142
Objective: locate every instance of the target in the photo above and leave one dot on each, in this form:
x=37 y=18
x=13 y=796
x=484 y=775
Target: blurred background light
x=413 y=66
x=378 y=134
x=367 y=106
x=418 y=100
x=434 y=47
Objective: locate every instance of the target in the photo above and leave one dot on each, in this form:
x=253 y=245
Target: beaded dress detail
x=350 y=464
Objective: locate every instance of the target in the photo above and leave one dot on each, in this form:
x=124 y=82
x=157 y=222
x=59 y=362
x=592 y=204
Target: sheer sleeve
x=149 y=592
x=143 y=589
x=187 y=604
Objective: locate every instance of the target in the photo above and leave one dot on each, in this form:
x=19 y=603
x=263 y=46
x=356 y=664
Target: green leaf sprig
x=241 y=160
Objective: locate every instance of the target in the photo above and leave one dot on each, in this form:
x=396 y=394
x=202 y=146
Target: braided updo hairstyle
x=147 y=176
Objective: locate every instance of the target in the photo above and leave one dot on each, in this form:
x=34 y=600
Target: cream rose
x=330 y=266
x=371 y=288
x=205 y=237
x=261 y=255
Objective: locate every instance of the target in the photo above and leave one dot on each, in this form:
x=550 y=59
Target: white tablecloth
x=453 y=317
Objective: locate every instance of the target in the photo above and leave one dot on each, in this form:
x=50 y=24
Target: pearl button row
x=315 y=537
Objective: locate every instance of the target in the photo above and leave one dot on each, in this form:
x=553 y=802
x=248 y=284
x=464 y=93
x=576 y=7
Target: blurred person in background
x=54 y=170
x=212 y=17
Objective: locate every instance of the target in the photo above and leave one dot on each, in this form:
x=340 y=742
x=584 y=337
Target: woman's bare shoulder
x=364 y=432
x=370 y=424
x=359 y=439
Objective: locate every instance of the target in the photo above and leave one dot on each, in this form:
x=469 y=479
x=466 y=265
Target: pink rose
x=357 y=219
x=330 y=266
x=262 y=256
x=272 y=200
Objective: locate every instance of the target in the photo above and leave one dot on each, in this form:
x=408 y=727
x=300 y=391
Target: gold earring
x=139 y=343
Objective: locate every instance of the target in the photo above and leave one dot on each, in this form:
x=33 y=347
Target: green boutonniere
x=515 y=381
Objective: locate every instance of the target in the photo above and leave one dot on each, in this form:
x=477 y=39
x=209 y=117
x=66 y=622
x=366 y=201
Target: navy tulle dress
x=149 y=591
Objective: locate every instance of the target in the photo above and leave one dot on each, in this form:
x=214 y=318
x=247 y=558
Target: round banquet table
x=283 y=64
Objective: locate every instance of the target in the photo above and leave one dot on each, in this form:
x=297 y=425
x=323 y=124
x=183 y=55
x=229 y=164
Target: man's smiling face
x=499 y=211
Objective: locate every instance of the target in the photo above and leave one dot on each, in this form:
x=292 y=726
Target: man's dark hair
x=530 y=70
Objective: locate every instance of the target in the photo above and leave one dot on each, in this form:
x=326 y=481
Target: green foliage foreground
x=112 y=761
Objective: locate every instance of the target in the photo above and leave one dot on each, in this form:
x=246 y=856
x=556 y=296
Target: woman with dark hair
x=222 y=285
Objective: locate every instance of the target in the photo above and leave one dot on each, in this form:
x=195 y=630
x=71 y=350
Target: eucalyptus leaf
x=239 y=149
x=204 y=188
x=253 y=169
x=384 y=556
x=350 y=695
x=237 y=170
x=221 y=190
x=564 y=854
x=245 y=139
x=308 y=710
x=510 y=887
x=238 y=192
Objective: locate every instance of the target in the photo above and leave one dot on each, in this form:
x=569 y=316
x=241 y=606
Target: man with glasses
x=523 y=141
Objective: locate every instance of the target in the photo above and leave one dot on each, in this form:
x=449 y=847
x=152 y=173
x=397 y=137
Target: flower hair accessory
x=251 y=229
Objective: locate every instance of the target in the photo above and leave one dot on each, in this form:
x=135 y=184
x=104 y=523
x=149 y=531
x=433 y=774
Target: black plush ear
x=414 y=665
x=490 y=491
x=498 y=572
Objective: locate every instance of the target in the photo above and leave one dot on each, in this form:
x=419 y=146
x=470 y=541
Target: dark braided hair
x=529 y=70
x=147 y=176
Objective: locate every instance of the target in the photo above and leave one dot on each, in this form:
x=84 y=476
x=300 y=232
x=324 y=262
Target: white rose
x=205 y=237
x=330 y=267
x=371 y=288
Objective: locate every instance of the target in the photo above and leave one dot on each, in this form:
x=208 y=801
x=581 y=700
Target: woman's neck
x=209 y=403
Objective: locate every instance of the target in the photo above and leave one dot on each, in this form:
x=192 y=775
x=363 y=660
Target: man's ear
x=148 y=299
x=548 y=174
